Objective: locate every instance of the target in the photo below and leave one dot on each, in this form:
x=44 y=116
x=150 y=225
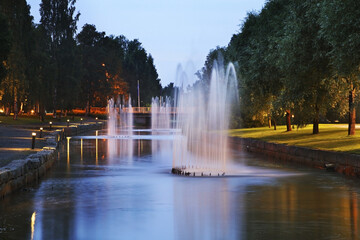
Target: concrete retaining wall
x=20 y=173
x=345 y=163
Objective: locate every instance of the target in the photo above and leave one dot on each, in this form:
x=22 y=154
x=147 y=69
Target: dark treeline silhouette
x=298 y=61
x=47 y=67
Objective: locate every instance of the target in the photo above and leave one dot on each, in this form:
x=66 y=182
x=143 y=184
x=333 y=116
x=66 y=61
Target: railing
x=138 y=109
x=146 y=110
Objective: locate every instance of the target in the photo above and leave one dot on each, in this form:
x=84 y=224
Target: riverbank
x=24 y=165
x=342 y=162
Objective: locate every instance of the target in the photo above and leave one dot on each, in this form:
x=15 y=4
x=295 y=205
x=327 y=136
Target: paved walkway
x=16 y=142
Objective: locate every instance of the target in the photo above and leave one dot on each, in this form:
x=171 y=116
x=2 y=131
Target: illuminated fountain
x=160 y=123
x=203 y=119
x=120 y=128
x=160 y=114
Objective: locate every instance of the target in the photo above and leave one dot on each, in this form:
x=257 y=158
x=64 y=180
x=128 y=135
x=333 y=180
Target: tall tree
x=92 y=61
x=16 y=82
x=58 y=19
x=340 y=27
x=305 y=63
x=255 y=49
x=5 y=45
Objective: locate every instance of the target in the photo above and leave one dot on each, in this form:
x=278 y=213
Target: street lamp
x=50 y=124
x=41 y=129
x=33 y=140
x=81 y=120
x=68 y=122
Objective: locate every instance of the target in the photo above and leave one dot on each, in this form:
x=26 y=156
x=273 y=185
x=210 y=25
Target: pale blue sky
x=172 y=31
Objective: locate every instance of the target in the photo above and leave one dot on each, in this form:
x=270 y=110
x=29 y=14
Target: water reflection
x=301 y=206
x=81 y=151
x=204 y=210
x=102 y=194
x=33 y=218
x=68 y=153
x=97 y=148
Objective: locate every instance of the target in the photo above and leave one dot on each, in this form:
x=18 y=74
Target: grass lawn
x=333 y=137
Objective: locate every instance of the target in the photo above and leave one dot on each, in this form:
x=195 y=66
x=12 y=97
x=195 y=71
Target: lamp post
x=33 y=140
x=68 y=122
x=50 y=124
x=81 y=121
x=41 y=129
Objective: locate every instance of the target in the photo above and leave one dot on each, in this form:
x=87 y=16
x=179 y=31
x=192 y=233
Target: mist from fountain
x=203 y=113
x=160 y=123
x=120 y=126
x=160 y=113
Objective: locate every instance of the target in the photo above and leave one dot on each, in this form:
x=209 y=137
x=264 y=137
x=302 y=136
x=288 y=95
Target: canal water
x=123 y=189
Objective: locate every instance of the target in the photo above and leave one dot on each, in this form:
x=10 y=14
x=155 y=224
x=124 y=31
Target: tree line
x=297 y=60
x=49 y=67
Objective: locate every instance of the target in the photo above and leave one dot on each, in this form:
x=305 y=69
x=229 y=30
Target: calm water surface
x=121 y=189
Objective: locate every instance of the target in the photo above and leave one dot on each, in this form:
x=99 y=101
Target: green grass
x=333 y=137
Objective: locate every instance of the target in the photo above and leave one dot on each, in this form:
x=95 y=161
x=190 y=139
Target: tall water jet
x=203 y=113
x=160 y=122
x=160 y=113
x=120 y=126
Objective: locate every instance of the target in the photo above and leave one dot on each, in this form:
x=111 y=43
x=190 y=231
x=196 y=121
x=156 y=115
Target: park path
x=16 y=142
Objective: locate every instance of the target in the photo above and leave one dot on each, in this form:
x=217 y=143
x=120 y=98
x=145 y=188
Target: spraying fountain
x=203 y=113
x=199 y=131
x=120 y=126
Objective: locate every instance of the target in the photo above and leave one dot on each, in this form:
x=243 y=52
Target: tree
x=5 y=45
x=58 y=19
x=304 y=62
x=139 y=66
x=16 y=82
x=255 y=50
x=340 y=27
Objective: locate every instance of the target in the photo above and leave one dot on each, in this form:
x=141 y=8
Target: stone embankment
x=348 y=164
x=20 y=173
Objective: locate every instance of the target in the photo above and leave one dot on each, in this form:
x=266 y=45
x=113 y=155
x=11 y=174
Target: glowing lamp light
x=33 y=140
x=32 y=111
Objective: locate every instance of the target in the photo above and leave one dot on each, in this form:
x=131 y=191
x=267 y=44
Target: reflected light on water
x=354 y=216
x=68 y=152
x=81 y=151
x=33 y=218
x=97 y=149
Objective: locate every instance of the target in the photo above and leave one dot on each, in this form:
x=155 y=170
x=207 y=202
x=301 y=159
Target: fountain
x=203 y=118
x=200 y=129
x=120 y=126
x=160 y=123
x=160 y=114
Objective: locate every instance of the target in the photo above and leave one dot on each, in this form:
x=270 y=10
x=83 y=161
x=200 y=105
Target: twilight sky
x=172 y=31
